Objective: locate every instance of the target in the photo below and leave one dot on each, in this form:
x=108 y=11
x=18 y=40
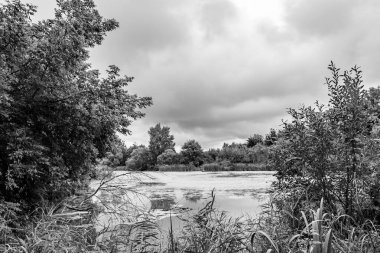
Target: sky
x=222 y=70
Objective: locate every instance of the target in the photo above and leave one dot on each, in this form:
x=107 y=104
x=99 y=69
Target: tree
x=192 y=153
x=139 y=160
x=57 y=116
x=160 y=140
x=254 y=140
x=169 y=157
x=270 y=138
x=118 y=153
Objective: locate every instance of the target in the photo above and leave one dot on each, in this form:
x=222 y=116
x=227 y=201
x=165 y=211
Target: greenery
x=254 y=140
x=140 y=159
x=60 y=121
x=328 y=152
x=169 y=157
x=192 y=153
x=160 y=140
x=57 y=116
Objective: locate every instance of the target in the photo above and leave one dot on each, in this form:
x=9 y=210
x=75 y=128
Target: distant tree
x=254 y=140
x=160 y=140
x=234 y=153
x=57 y=116
x=169 y=157
x=212 y=155
x=270 y=138
x=192 y=153
x=140 y=159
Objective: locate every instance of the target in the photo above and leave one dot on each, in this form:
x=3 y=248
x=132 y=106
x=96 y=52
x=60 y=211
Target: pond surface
x=174 y=193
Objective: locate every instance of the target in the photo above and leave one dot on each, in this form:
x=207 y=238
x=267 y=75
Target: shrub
x=227 y=166
x=177 y=167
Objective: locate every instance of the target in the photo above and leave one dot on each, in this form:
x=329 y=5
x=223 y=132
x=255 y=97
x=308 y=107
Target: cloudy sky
x=222 y=70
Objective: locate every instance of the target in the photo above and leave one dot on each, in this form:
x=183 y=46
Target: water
x=176 y=193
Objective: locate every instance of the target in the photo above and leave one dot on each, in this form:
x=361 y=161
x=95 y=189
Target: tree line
x=161 y=152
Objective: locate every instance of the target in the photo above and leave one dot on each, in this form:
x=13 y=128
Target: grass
x=235 y=167
x=72 y=226
x=178 y=167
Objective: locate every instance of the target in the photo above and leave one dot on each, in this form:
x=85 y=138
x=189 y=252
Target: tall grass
x=210 y=231
x=226 y=166
x=72 y=226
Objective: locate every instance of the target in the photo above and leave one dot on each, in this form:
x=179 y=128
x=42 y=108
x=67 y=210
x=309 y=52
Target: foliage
x=118 y=154
x=270 y=138
x=169 y=157
x=178 y=167
x=73 y=226
x=327 y=151
x=240 y=153
x=254 y=140
x=140 y=159
x=160 y=140
x=192 y=153
x=310 y=240
x=211 y=231
x=227 y=166
x=56 y=114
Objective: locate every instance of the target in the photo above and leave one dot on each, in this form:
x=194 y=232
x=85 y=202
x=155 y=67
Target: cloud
x=320 y=18
x=146 y=27
x=216 y=16
x=221 y=70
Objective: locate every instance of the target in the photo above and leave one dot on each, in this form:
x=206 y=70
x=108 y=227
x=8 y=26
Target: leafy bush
x=57 y=116
x=328 y=151
x=192 y=153
x=169 y=157
x=140 y=159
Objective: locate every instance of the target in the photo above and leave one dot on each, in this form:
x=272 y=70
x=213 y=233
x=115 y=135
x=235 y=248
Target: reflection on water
x=193 y=196
x=165 y=203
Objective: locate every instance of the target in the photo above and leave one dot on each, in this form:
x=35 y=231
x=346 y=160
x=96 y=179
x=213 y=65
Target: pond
x=164 y=194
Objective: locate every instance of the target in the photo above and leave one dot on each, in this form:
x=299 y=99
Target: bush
x=227 y=166
x=212 y=167
x=178 y=167
x=57 y=116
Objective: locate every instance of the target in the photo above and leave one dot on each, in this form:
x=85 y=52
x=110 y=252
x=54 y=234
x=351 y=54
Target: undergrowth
x=73 y=226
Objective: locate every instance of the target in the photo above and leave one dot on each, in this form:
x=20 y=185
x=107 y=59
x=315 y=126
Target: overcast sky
x=221 y=70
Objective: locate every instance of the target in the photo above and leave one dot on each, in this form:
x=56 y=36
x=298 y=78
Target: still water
x=164 y=194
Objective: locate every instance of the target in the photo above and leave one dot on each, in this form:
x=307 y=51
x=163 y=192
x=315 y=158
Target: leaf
x=266 y=236
x=327 y=244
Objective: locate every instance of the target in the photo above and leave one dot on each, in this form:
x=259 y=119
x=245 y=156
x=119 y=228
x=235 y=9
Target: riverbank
x=221 y=166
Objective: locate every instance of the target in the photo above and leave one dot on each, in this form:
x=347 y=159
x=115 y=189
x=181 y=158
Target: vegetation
x=327 y=152
x=192 y=153
x=161 y=144
x=140 y=159
x=254 y=140
x=160 y=140
x=169 y=157
x=59 y=118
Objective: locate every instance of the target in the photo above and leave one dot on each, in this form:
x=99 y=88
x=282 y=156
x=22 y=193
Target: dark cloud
x=221 y=70
x=146 y=27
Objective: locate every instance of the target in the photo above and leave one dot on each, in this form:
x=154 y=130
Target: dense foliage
x=160 y=140
x=57 y=116
x=140 y=159
x=192 y=153
x=331 y=152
